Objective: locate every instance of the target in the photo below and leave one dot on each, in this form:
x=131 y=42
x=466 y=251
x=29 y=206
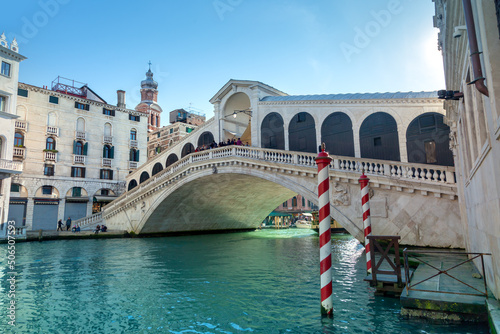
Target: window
x=158 y=135
x=79 y=148
x=133 y=134
x=134 y=118
x=108 y=112
x=294 y=201
x=50 y=144
x=377 y=141
x=108 y=152
x=301 y=117
x=76 y=192
x=106 y=174
x=285 y=204
x=78 y=171
x=48 y=170
x=430 y=152
x=5 y=69
x=22 y=92
x=54 y=99
x=18 y=140
x=104 y=192
x=134 y=155
x=147 y=139
x=188 y=130
x=303 y=201
x=81 y=106
x=46 y=190
x=14 y=188
x=3 y=101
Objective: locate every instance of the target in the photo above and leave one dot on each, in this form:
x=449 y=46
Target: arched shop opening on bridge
x=272 y=132
x=236 y=119
x=171 y=159
x=378 y=137
x=337 y=134
x=302 y=133
x=187 y=149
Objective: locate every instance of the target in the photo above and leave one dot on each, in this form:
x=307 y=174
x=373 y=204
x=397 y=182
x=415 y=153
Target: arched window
x=107 y=129
x=79 y=148
x=206 y=138
x=171 y=159
x=19 y=139
x=133 y=134
x=1 y=148
x=132 y=184
x=107 y=152
x=158 y=121
x=187 y=149
x=378 y=137
x=428 y=141
x=272 y=133
x=144 y=177
x=80 y=124
x=302 y=133
x=50 y=143
x=157 y=168
x=337 y=134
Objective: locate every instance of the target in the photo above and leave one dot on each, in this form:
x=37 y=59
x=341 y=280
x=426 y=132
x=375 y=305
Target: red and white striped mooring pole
x=367 y=223
x=325 y=245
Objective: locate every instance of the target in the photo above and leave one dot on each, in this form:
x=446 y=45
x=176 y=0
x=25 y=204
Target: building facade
x=167 y=136
x=76 y=150
x=470 y=42
x=9 y=74
x=297 y=204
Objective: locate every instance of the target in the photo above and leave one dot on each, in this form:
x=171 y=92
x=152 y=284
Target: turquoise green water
x=257 y=282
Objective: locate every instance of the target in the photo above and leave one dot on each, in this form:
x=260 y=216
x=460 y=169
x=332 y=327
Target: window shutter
x=74 y=146
x=83 y=171
x=72 y=171
x=112 y=112
x=104 y=151
x=85 y=148
x=112 y=153
x=138 y=118
x=101 y=174
x=137 y=155
x=87 y=106
x=111 y=175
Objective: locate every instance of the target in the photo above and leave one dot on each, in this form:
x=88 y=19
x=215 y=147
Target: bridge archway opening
x=378 y=137
x=158 y=167
x=144 y=177
x=428 y=139
x=205 y=139
x=272 y=133
x=171 y=159
x=131 y=185
x=236 y=118
x=187 y=149
x=216 y=202
x=302 y=133
x=337 y=134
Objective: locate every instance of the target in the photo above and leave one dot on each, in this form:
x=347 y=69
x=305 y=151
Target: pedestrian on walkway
x=68 y=223
x=60 y=225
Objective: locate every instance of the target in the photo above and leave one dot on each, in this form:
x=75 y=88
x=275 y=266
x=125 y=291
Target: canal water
x=256 y=282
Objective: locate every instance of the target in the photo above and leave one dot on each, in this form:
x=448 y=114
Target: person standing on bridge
x=68 y=223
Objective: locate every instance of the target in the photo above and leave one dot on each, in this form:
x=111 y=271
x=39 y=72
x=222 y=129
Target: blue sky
x=196 y=46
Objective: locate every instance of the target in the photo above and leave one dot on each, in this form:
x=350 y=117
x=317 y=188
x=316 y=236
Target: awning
x=101 y=198
x=77 y=199
x=279 y=214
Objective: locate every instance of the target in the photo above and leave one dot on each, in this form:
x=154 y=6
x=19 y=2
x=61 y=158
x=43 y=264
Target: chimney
x=121 y=99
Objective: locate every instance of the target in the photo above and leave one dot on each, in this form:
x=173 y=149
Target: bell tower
x=149 y=101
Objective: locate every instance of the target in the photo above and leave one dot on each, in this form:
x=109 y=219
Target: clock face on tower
x=150 y=95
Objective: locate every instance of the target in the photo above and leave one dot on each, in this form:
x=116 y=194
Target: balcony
x=132 y=164
x=19 y=152
x=107 y=140
x=79 y=159
x=133 y=143
x=10 y=167
x=50 y=156
x=82 y=135
x=21 y=125
x=106 y=162
x=52 y=130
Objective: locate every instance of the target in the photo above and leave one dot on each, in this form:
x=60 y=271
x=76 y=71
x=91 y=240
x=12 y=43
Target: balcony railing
x=81 y=135
x=22 y=125
x=19 y=152
x=11 y=166
x=132 y=164
x=133 y=143
x=107 y=140
x=50 y=156
x=79 y=159
x=106 y=162
x=53 y=130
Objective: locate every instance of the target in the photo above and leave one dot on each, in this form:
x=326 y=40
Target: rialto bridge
x=398 y=139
